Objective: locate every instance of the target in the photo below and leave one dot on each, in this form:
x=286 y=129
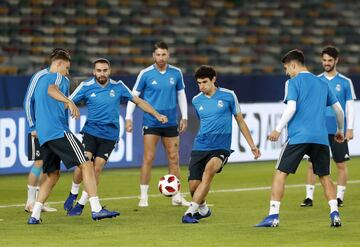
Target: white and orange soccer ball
x=169 y=185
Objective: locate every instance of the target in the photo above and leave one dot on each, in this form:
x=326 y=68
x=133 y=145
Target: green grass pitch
x=239 y=199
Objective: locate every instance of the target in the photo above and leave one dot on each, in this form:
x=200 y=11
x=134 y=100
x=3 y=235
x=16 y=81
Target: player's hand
x=182 y=126
x=74 y=111
x=162 y=118
x=349 y=135
x=339 y=137
x=34 y=133
x=274 y=136
x=129 y=125
x=256 y=152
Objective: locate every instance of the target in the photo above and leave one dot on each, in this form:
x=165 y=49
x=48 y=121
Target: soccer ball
x=169 y=185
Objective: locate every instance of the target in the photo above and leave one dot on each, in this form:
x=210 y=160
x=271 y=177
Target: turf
x=239 y=199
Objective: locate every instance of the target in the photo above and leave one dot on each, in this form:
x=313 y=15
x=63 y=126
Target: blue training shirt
x=103 y=106
x=343 y=88
x=312 y=96
x=160 y=91
x=215 y=114
x=29 y=102
x=51 y=115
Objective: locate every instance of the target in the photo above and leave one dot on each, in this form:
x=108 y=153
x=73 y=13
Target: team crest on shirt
x=338 y=87
x=220 y=104
x=172 y=81
x=112 y=93
x=37 y=153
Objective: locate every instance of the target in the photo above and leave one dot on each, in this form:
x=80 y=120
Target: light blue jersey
x=343 y=88
x=50 y=114
x=312 y=96
x=29 y=102
x=103 y=106
x=160 y=91
x=215 y=114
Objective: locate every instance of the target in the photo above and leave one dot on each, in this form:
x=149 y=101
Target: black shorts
x=340 y=151
x=171 y=131
x=67 y=149
x=99 y=147
x=34 y=149
x=292 y=154
x=199 y=160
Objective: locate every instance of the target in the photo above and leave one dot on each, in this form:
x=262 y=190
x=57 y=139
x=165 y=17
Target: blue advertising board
x=128 y=151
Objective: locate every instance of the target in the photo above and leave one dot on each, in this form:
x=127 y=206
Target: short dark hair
x=160 y=45
x=330 y=50
x=101 y=60
x=205 y=71
x=60 y=53
x=294 y=55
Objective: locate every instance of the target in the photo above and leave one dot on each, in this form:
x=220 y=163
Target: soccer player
x=307 y=97
x=344 y=91
x=163 y=87
x=215 y=107
x=102 y=96
x=58 y=143
x=34 y=150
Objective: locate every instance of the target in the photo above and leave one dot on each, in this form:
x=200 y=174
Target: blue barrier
x=128 y=152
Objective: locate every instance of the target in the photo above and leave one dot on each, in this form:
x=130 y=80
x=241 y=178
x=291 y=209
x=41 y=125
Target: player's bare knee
x=341 y=166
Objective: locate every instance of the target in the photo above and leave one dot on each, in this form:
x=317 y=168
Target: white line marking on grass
x=211 y=191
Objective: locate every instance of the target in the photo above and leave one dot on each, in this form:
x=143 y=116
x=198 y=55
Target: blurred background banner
x=261 y=118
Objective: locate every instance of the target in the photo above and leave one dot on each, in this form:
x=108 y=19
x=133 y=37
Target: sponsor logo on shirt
x=338 y=87
x=172 y=81
x=220 y=103
x=154 y=82
x=112 y=93
x=93 y=95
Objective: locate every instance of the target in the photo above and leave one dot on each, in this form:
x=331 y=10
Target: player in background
x=344 y=91
x=102 y=96
x=35 y=176
x=307 y=97
x=163 y=88
x=215 y=107
x=57 y=142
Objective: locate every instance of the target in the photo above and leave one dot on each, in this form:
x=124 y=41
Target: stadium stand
x=238 y=37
